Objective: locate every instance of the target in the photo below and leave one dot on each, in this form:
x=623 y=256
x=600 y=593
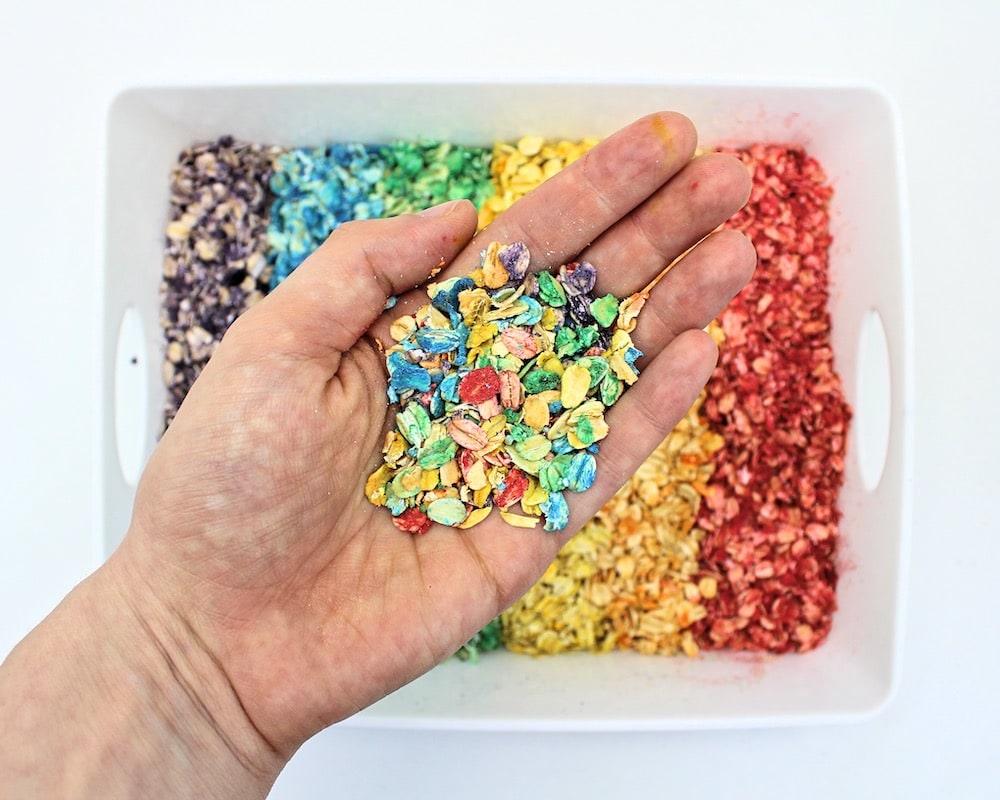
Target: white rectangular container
x=852 y=130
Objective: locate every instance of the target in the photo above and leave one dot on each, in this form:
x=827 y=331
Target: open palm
x=251 y=520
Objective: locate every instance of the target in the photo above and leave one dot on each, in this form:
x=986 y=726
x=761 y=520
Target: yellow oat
x=649 y=569
x=376 y=483
x=394 y=448
x=429 y=479
x=519 y=520
x=494 y=273
x=534 y=495
x=429 y=317
x=402 y=327
x=575 y=385
x=620 y=343
x=449 y=473
x=475 y=476
x=535 y=412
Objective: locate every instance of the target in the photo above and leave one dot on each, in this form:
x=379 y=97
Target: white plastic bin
x=852 y=130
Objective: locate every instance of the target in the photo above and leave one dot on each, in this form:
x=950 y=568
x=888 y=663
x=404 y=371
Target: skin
x=258 y=597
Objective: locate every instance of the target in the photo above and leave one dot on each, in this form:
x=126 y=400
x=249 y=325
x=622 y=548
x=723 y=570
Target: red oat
x=479 y=385
x=515 y=485
x=412 y=520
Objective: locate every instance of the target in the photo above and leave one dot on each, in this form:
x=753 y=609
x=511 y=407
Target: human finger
x=695 y=290
x=702 y=196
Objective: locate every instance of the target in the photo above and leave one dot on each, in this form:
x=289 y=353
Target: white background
x=61 y=65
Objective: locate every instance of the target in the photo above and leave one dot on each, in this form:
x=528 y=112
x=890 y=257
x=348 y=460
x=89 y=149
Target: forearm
x=99 y=701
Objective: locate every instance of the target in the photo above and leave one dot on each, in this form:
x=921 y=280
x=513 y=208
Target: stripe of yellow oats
x=543 y=622
x=665 y=545
x=554 y=615
x=518 y=167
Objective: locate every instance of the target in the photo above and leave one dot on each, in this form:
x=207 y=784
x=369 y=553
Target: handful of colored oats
x=501 y=382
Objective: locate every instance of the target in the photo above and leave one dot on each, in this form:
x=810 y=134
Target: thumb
x=335 y=295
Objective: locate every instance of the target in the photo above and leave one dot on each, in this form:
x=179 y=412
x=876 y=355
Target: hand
x=252 y=540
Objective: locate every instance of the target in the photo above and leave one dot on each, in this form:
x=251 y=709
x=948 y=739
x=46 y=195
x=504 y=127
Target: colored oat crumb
x=556 y=615
x=215 y=263
x=770 y=511
x=486 y=639
x=647 y=581
x=517 y=168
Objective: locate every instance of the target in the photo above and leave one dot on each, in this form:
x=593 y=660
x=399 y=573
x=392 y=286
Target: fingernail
x=440 y=209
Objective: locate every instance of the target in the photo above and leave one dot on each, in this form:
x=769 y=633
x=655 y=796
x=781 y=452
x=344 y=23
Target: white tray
x=852 y=130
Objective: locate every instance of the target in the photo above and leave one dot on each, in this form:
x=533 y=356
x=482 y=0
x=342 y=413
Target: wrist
x=114 y=695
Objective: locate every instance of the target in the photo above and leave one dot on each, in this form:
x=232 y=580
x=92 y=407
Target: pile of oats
x=629 y=579
x=517 y=168
x=771 y=507
x=725 y=538
x=557 y=615
x=215 y=262
x=500 y=384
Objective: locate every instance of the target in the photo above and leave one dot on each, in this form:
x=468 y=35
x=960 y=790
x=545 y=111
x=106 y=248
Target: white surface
x=61 y=67
x=853 y=131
